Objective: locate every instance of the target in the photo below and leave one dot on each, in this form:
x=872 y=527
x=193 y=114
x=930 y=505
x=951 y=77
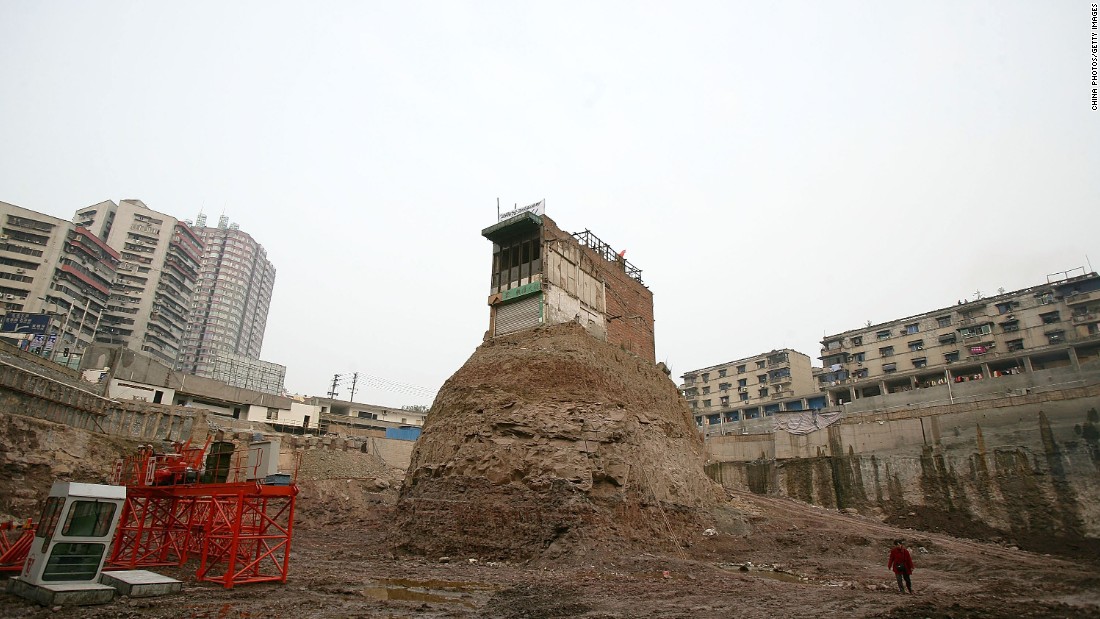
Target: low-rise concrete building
x=358 y=419
x=129 y=374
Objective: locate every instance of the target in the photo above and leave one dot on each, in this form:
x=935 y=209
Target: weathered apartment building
x=542 y=275
x=749 y=388
x=150 y=297
x=1054 y=324
x=52 y=266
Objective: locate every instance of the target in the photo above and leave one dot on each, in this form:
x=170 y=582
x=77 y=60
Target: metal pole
x=80 y=329
x=64 y=325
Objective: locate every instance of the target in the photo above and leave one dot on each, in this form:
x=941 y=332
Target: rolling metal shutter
x=518 y=315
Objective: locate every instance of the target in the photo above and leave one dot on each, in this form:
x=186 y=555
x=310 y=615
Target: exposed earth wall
x=1024 y=470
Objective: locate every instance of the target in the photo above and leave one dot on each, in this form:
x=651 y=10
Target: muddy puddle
x=467 y=594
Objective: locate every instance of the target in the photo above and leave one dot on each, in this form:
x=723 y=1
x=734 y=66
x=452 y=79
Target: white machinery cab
x=74 y=534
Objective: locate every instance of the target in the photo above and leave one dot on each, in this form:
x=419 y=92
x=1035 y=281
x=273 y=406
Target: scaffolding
x=593 y=242
x=15 y=542
x=238 y=525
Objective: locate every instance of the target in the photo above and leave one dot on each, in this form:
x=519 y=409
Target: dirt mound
x=548 y=442
x=34 y=453
x=344 y=489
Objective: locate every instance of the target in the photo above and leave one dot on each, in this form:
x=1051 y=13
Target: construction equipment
x=147 y=468
x=15 y=541
x=225 y=509
x=236 y=524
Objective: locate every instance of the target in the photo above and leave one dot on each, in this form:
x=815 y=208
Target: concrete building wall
x=307 y=415
x=360 y=410
x=126 y=390
x=572 y=273
x=130 y=366
x=561 y=306
x=626 y=304
x=393 y=452
x=273 y=414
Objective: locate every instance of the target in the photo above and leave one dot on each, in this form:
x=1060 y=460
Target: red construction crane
x=184 y=504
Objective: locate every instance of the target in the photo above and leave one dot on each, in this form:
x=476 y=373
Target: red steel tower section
x=15 y=541
x=240 y=531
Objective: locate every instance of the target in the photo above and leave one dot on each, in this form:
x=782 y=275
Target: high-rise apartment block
x=150 y=297
x=49 y=265
x=228 y=313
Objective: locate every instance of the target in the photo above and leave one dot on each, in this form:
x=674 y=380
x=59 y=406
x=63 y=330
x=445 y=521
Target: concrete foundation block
x=62 y=594
x=140 y=583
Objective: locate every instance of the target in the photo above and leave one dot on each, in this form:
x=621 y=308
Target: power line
x=383 y=384
x=394 y=386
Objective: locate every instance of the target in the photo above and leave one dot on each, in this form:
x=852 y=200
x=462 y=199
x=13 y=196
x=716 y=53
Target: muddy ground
x=799 y=561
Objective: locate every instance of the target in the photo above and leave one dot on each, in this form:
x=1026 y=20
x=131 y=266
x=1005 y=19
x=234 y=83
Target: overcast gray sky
x=777 y=170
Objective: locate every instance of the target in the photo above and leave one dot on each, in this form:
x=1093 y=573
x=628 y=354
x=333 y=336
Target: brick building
x=542 y=275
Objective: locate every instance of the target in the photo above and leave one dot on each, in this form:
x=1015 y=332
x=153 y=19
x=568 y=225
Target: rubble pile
x=549 y=442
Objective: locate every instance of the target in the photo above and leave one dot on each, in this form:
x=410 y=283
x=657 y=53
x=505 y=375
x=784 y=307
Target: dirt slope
x=549 y=441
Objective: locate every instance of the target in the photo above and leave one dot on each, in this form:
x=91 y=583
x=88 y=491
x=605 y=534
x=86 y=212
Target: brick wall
x=629 y=304
x=629 y=312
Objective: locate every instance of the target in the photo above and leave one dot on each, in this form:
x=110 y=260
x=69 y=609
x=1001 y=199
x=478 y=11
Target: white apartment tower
x=228 y=316
x=150 y=297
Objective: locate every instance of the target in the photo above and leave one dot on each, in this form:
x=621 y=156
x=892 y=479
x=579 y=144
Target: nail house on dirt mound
x=543 y=276
x=559 y=436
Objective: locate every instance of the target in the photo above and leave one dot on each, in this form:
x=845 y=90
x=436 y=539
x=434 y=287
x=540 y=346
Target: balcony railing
x=1079 y=298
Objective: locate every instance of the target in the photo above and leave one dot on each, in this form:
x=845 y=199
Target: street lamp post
x=80 y=329
x=59 y=335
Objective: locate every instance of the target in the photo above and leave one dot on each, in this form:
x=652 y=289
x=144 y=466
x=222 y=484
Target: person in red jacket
x=902 y=564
